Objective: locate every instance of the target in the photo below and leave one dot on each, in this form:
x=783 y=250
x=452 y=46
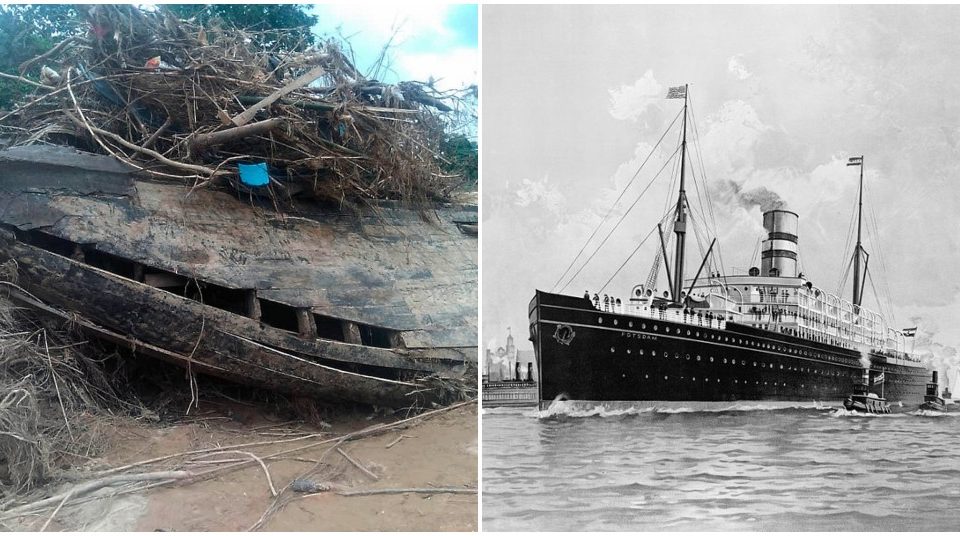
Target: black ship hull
x=588 y=355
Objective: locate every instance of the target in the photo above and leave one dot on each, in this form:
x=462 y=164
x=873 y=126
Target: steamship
x=768 y=335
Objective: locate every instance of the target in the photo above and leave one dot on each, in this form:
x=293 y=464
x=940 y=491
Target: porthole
x=693 y=379
x=754 y=363
x=724 y=360
x=614 y=321
x=697 y=334
x=666 y=377
x=643 y=325
x=653 y=353
x=771 y=365
x=641 y=351
x=630 y=324
x=711 y=359
x=612 y=349
x=628 y=350
x=667 y=329
x=688 y=333
x=654 y=327
x=735 y=381
x=646 y=376
x=781 y=367
x=688 y=357
x=698 y=358
x=600 y=320
x=676 y=356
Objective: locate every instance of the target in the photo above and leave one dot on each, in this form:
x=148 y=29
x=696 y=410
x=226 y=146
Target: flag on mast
x=878 y=379
x=855 y=161
x=679 y=92
x=909 y=332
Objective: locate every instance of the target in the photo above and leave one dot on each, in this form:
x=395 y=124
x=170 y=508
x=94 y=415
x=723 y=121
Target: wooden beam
x=244 y=117
x=138 y=272
x=202 y=141
x=351 y=332
x=305 y=324
x=253 y=305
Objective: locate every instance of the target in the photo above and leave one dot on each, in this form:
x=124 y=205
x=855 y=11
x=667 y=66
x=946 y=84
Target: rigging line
x=875 y=295
x=674 y=177
x=847 y=249
x=668 y=200
x=647 y=187
x=706 y=187
x=885 y=279
x=696 y=187
x=622 y=192
x=703 y=171
x=754 y=254
x=846 y=274
x=700 y=234
x=634 y=252
x=885 y=309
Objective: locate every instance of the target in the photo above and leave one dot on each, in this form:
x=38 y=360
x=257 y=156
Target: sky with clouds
x=427 y=40
x=781 y=96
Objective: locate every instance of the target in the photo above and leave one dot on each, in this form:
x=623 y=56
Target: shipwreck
x=264 y=214
x=378 y=307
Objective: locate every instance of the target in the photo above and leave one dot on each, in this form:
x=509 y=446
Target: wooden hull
x=324 y=306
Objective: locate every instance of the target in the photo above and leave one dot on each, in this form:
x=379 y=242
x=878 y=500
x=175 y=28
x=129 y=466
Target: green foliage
x=26 y=31
x=461 y=155
x=287 y=26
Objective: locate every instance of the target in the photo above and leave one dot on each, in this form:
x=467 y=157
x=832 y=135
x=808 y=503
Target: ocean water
x=798 y=469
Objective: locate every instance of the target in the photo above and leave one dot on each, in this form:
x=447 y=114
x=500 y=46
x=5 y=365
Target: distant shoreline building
x=509 y=376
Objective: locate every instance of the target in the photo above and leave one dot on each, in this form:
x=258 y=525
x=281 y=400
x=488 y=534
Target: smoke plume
x=732 y=193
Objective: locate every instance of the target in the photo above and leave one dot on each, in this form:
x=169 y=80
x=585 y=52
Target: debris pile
x=53 y=399
x=207 y=105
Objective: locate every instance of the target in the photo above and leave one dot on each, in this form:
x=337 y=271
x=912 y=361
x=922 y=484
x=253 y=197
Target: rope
x=634 y=252
x=620 y=221
x=706 y=189
x=610 y=210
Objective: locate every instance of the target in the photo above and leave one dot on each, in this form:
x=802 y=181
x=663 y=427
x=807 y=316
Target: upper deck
x=789 y=305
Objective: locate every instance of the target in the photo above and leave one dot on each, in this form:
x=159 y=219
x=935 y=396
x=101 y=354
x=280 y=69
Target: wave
x=841 y=412
x=582 y=409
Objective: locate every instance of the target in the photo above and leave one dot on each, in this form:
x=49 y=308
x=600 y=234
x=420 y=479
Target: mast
x=680 y=226
x=857 y=294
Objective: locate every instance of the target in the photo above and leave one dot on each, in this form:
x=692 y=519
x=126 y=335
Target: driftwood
x=358 y=465
x=304 y=80
x=53 y=51
x=358 y=140
x=89 y=487
x=203 y=141
x=396 y=491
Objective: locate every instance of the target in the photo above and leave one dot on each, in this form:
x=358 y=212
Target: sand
x=438 y=452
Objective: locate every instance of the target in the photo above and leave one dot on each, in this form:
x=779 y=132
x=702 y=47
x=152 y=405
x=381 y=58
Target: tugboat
x=863 y=401
x=932 y=401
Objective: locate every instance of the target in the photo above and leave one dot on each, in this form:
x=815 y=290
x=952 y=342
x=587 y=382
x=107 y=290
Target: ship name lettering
x=642 y=336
